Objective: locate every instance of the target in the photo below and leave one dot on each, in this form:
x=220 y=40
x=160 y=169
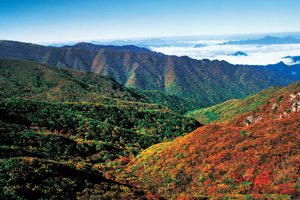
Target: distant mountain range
x=282 y=68
x=85 y=45
x=91 y=46
x=268 y=40
x=294 y=58
x=146 y=43
x=205 y=81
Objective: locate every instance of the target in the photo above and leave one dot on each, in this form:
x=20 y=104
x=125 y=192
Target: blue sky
x=68 y=20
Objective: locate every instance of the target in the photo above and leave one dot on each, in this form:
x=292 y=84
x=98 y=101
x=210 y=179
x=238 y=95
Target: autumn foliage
x=108 y=142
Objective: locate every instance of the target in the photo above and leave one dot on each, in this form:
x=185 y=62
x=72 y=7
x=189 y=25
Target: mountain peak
x=238 y=53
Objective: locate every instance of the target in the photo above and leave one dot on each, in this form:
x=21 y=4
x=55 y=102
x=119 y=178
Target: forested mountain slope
x=58 y=128
x=208 y=82
x=256 y=156
x=227 y=111
x=68 y=134
x=31 y=80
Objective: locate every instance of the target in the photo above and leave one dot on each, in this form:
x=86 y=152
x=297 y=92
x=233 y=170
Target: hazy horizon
x=180 y=23
x=58 y=21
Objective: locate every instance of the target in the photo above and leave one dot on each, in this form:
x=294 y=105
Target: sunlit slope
x=225 y=112
x=32 y=80
x=216 y=161
x=256 y=155
x=284 y=105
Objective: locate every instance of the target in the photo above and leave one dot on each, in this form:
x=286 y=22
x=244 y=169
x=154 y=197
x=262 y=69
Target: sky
x=42 y=21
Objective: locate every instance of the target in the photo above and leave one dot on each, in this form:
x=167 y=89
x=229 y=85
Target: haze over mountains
x=261 y=49
x=268 y=40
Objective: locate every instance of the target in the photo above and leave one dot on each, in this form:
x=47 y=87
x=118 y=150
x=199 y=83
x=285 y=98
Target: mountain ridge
x=281 y=67
x=209 y=82
x=268 y=40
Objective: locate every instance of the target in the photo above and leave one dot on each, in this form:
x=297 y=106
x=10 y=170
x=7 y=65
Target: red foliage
x=138 y=169
x=290 y=191
x=125 y=160
x=267 y=155
x=207 y=182
x=170 y=153
x=261 y=181
x=238 y=179
x=255 y=195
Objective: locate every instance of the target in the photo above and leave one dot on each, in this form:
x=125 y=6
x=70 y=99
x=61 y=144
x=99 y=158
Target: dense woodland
x=68 y=134
x=65 y=118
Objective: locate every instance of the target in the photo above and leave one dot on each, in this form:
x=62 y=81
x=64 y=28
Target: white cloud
x=257 y=54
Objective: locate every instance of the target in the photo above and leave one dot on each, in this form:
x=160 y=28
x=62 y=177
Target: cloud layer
x=257 y=54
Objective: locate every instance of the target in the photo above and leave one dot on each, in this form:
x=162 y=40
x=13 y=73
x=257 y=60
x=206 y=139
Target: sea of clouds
x=257 y=54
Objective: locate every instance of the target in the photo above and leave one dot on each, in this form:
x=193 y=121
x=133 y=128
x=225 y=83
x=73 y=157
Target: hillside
x=254 y=159
x=225 y=112
x=72 y=134
x=57 y=150
x=58 y=128
x=208 y=82
x=282 y=68
x=32 y=80
x=175 y=103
